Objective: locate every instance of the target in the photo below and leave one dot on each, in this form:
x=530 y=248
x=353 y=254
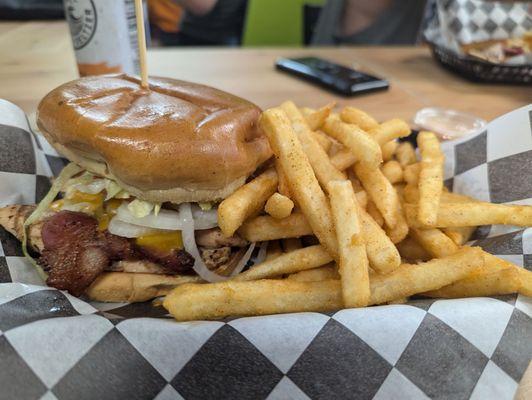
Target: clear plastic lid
x=448 y=124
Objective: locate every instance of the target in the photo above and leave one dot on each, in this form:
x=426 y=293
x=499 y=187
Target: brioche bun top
x=177 y=141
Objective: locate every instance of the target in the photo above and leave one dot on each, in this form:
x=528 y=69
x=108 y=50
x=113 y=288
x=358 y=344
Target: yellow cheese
x=162 y=241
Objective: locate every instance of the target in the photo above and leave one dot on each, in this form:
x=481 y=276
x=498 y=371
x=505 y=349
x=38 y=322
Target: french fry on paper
x=316 y=118
x=434 y=241
x=405 y=154
x=269 y=296
x=246 y=201
x=474 y=214
x=381 y=192
x=389 y=149
x=264 y=228
x=279 y=206
x=362 y=119
x=393 y=171
x=365 y=149
x=317 y=156
x=287 y=263
x=353 y=260
x=343 y=159
x=304 y=186
x=390 y=130
x=325 y=273
x=430 y=181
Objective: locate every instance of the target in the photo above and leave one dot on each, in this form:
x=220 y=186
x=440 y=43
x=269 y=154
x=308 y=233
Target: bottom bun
x=175 y=195
x=132 y=287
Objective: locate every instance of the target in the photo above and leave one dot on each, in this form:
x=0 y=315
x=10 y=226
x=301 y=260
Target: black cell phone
x=335 y=77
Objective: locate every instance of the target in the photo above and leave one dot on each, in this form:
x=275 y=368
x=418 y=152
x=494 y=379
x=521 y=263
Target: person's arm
x=197 y=7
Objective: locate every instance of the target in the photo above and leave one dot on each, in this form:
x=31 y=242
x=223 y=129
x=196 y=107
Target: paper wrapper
x=57 y=346
x=459 y=22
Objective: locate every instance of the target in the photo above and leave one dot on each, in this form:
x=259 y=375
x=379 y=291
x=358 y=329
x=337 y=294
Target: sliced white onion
x=166 y=219
x=262 y=252
x=204 y=219
x=96 y=186
x=169 y=219
x=244 y=260
x=124 y=229
x=189 y=242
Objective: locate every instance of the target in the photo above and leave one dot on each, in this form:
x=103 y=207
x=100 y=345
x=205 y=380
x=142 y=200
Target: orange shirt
x=165 y=14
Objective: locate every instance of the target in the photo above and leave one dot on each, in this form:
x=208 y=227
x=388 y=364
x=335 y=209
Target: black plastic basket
x=481 y=71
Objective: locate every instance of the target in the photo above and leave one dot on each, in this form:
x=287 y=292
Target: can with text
x=104 y=35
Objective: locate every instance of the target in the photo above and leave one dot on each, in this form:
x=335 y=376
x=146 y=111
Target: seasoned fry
x=383 y=255
x=303 y=184
x=496 y=277
x=363 y=120
x=412 y=251
x=437 y=243
x=343 y=159
x=372 y=210
x=274 y=250
x=353 y=260
x=411 y=194
x=474 y=214
x=316 y=118
x=133 y=287
x=389 y=149
x=405 y=154
x=283 y=185
x=291 y=244
x=324 y=140
x=381 y=192
x=363 y=146
x=393 y=171
x=460 y=235
x=410 y=279
x=325 y=273
x=525 y=282
x=430 y=182
x=269 y=296
x=362 y=198
x=400 y=230
x=246 y=201
x=318 y=158
x=390 y=130
x=287 y=263
x=260 y=229
x=411 y=173
x=279 y=206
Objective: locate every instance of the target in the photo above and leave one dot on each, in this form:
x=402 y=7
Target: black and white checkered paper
x=468 y=21
x=55 y=346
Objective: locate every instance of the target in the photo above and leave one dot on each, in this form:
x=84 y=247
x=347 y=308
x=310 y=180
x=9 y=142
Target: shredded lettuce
x=68 y=172
x=206 y=206
x=140 y=208
x=112 y=188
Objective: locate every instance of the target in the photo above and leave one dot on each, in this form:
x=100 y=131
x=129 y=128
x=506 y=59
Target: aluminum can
x=104 y=35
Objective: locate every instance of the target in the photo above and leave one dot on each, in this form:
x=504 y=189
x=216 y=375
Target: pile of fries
x=352 y=218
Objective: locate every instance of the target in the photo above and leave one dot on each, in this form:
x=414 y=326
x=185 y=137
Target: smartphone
x=335 y=77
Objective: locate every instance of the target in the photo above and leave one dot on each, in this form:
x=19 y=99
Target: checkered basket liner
x=467 y=21
x=56 y=346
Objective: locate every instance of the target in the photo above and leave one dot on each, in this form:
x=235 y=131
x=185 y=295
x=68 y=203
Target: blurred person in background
x=198 y=22
x=370 y=22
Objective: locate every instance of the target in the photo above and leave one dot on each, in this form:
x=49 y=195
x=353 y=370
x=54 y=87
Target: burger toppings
x=76 y=252
x=97 y=227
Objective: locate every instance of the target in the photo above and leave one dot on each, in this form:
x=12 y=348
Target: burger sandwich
x=135 y=210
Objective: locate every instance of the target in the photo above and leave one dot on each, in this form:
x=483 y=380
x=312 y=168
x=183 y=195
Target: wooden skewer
x=141 y=38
